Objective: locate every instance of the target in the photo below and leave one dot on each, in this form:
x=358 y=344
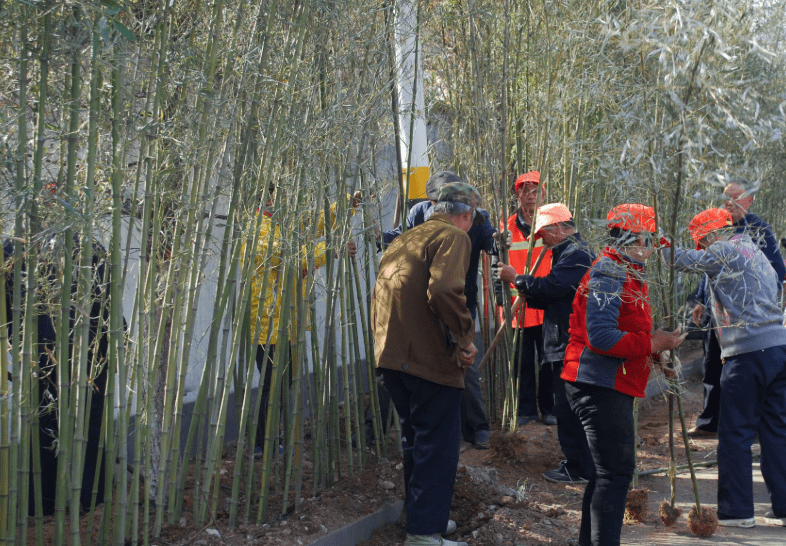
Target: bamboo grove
x=156 y=128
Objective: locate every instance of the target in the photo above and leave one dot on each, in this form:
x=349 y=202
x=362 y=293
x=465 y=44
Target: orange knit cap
x=532 y=177
x=632 y=217
x=708 y=221
x=553 y=213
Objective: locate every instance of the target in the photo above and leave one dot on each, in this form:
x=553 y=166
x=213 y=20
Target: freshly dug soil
x=500 y=497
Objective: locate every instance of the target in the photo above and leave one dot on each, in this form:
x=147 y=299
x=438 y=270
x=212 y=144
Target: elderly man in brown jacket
x=424 y=335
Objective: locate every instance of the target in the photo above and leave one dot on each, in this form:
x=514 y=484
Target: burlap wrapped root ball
x=668 y=514
x=637 y=505
x=704 y=525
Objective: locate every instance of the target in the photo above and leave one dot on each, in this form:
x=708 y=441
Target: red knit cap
x=632 y=217
x=532 y=177
x=708 y=221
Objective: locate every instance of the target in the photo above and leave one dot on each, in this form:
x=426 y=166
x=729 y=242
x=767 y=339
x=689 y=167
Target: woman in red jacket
x=607 y=364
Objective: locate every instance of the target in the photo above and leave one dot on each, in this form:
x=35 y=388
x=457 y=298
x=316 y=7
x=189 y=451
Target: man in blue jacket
x=571 y=259
x=474 y=423
x=738 y=200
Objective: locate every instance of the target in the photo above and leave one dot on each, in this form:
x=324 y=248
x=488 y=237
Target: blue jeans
x=570 y=430
x=607 y=416
x=430 y=437
x=753 y=400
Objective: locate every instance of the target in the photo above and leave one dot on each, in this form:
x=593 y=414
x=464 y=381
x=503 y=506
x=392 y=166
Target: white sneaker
x=430 y=540
x=745 y=523
x=771 y=519
x=450 y=529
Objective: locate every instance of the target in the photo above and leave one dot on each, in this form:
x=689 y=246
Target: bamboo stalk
x=116 y=356
x=635 y=482
x=669 y=469
x=5 y=409
x=345 y=368
x=292 y=454
x=63 y=327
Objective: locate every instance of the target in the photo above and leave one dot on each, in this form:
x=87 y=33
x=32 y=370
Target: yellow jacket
x=279 y=256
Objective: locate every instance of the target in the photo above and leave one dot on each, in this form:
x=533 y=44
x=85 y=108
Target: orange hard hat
x=532 y=177
x=553 y=213
x=632 y=217
x=708 y=221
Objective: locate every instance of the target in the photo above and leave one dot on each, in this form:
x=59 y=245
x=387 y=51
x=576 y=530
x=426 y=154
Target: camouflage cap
x=460 y=192
x=437 y=180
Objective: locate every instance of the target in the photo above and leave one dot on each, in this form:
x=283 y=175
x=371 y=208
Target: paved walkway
x=652 y=531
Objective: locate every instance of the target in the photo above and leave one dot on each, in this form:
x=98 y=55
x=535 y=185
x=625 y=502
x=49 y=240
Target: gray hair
x=452 y=208
x=741 y=183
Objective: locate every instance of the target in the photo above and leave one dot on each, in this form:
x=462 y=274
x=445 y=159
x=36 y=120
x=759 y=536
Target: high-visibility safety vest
x=517 y=256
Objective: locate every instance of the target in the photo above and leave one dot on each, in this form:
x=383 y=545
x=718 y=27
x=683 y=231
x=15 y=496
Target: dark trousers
x=268 y=376
x=712 y=367
x=430 y=425
x=753 y=400
x=48 y=427
x=570 y=430
x=473 y=414
x=607 y=416
x=528 y=347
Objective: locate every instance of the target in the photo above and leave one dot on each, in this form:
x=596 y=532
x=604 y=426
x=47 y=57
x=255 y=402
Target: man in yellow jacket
x=267 y=285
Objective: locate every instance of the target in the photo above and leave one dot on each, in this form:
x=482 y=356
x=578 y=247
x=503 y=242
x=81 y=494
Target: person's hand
x=696 y=314
x=357 y=197
x=352 y=248
x=504 y=272
x=665 y=361
x=663 y=340
x=505 y=239
x=663 y=242
x=467 y=355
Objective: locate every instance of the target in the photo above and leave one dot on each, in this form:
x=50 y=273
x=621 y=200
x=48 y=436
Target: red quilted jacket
x=611 y=327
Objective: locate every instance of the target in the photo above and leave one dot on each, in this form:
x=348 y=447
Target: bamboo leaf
x=127 y=34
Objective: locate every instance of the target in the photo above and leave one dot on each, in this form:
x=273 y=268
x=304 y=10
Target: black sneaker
x=481 y=440
x=526 y=419
x=561 y=475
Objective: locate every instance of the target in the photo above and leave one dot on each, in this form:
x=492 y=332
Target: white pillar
x=406 y=45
